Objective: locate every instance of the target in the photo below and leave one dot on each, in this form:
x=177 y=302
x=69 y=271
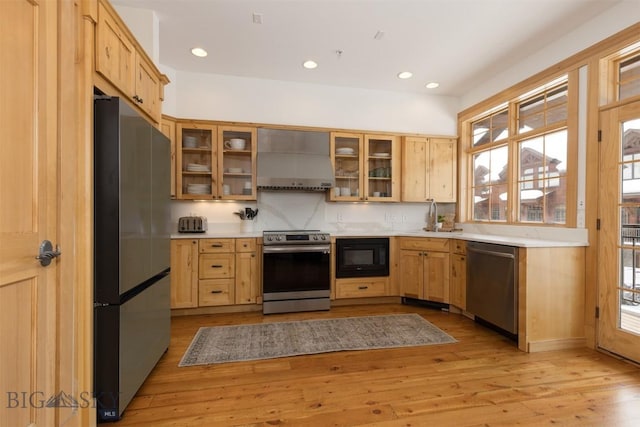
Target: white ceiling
x=458 y=43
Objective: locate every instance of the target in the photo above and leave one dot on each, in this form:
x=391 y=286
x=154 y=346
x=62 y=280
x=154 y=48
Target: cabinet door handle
x=362 y=288
x=216 y=245
x=216 y=292
x=216 y=266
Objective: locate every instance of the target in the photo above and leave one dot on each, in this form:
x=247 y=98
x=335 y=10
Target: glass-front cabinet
x=237 y=162
x=215 y=162
x=346 y=157
x=196 y=161
x=382 y=167
x=366 y=167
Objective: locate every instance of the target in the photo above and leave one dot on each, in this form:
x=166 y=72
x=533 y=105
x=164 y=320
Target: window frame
x=512 y=142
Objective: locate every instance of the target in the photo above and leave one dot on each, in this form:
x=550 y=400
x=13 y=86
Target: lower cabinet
x=362 y=287
x=458 y=284
x=424 y=268
x=214 y=272
x=184 y=273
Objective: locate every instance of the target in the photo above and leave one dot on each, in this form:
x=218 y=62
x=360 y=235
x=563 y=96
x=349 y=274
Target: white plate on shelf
x=345 y=150
x=381 y=155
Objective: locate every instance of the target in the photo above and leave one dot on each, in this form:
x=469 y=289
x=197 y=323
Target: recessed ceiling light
x=432 y=85
x=199 y=52
x=405 y=75
x=310 y=64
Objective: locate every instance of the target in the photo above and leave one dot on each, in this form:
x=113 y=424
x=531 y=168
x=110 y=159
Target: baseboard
x=559 y=344
x=240 y=308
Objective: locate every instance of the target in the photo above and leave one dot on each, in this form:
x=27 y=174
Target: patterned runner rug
x=221 y=344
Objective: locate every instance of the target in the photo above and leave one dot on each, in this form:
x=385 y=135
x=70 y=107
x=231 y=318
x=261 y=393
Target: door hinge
x=598 y=224
x=599 y=136
x=597 y=312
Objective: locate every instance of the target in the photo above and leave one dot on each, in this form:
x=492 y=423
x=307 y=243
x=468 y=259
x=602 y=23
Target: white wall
x=616 y=19
x=219 y=97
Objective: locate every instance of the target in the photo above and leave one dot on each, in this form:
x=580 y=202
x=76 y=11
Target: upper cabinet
x=429 y=168
x=123 y=63
x=366 y=167
x=196 y=161
x=168 y=127
x=237 y=150
x=215 y=162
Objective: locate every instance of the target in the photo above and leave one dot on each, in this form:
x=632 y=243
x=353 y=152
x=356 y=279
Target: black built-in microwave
x=362 y=257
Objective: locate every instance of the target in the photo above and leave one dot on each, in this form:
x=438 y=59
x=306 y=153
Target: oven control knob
x=315 y=237
x=278 y=238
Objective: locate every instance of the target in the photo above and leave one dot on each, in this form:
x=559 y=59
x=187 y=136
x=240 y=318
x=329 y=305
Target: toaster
x=192 y=224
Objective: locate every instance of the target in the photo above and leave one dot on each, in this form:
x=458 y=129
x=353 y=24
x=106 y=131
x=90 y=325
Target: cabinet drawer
x=361 y=288
x=245 y=245
x=216 y=245
x=216 y=266
x=459 y=247
x=215 y=292
x=424 y=243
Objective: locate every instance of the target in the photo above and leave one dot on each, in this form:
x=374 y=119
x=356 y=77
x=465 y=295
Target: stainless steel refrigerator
x=131 y=253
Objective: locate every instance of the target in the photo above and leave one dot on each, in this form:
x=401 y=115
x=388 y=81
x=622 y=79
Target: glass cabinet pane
x=379 y=166
x=347 y=153
x=236 y=162
x=196 y=164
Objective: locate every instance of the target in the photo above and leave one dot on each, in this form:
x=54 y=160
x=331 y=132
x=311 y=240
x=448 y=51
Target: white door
x=619 y=242
x=28 y=211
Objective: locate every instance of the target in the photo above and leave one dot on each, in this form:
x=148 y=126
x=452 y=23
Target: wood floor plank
x=483 y=379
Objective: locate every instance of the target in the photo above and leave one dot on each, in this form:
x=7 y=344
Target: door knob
x=46 y=253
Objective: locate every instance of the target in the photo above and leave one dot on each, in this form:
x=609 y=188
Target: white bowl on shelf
x=189 y=141
x=235 y=170
x=345 y=150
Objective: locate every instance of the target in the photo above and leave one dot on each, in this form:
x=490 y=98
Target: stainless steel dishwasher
x=492 y=284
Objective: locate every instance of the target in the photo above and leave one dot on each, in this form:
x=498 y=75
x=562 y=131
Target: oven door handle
x=324 y=249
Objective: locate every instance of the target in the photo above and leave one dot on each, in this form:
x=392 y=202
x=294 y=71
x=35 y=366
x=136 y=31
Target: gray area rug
x=221 y=344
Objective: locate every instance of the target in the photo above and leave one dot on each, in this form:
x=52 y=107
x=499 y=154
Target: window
x=542 y=181
x=629 y=77
x=520 y=174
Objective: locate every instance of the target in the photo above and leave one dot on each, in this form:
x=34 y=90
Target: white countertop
x=525 y=242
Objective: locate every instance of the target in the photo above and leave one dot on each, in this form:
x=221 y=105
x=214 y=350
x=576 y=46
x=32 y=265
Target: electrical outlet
x=339 y=217
x=404 y=218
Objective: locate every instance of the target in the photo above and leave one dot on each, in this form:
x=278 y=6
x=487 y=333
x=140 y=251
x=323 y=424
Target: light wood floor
x=482 y=380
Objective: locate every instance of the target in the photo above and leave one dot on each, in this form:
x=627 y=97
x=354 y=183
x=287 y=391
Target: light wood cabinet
x=196 y=160
x=146 y=91
x=362 y=287
x=122 y=61
x=115 y=54
x=168 y=128
x=214 y=272
x=237 y=166
x=424 y=268
x=458 y=285
x=248 y=269
x=429 y=168
x=184 y=273
x=366 y=167
x=208 y=167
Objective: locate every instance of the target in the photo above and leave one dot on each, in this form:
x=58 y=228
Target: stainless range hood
x=294 y=160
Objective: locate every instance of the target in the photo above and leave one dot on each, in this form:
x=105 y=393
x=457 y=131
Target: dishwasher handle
x=493 y=253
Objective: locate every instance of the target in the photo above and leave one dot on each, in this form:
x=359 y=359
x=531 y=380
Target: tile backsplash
x=301 y=210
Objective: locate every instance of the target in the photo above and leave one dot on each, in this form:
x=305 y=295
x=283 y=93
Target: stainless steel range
x=296 y=271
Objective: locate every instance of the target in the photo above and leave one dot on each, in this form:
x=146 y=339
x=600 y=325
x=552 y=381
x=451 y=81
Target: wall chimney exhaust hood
x=294 y=160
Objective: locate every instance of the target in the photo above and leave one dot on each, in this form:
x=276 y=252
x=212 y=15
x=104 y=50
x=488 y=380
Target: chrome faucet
x=432 y=215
